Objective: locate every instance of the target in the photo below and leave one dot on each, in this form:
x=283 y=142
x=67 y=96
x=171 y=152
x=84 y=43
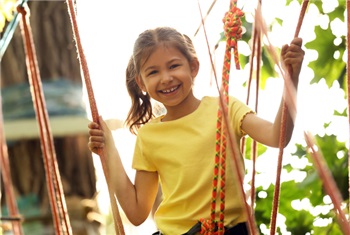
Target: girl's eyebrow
x=150 y=68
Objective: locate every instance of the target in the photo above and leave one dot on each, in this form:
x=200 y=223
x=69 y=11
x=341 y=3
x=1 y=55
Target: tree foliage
x=306 y=207
x=7 y=8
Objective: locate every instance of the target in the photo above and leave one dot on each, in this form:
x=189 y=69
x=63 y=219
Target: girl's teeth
x=170 y=90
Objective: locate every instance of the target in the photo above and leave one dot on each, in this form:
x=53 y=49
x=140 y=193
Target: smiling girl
x=176 y=150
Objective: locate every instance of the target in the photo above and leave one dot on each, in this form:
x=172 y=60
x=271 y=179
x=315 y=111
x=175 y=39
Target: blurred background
x=108 y=30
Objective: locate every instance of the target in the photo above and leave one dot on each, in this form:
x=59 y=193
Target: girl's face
x=168 y=77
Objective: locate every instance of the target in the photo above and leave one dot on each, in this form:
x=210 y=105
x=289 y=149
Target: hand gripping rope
x=95 y=116
x=321 y=166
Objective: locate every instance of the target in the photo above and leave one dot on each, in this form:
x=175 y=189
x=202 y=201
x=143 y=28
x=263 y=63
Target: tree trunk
x=57 y=60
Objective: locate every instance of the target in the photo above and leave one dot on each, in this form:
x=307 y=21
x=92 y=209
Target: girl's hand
x=292 y=56
x=100 y=135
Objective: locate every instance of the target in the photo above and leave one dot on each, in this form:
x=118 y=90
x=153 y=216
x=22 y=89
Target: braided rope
x=55 y=188
x=232 y=28
x=282 y=139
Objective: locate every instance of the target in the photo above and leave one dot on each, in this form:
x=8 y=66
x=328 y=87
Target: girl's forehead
x=160 y=52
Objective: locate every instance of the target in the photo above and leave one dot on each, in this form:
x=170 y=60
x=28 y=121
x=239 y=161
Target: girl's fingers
x=93 y=125
x=96 y=139
x=297 y=41
x=95 y=132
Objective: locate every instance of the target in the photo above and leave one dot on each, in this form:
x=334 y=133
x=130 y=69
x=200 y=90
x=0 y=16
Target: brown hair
x=141 y=107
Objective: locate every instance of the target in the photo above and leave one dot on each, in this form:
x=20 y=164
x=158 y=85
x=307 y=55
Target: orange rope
x=55 y=189
x=326 y=177
x=95 y=116
x=328 y=182
x=208 y=226
x=6 y=176
x=256 y=48
x=282 y=139
x=348 y=82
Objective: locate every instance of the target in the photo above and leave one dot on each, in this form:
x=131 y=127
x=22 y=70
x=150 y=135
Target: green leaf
x=338 y=12
x=248 y=148
x=326 y=66
x=343 y=114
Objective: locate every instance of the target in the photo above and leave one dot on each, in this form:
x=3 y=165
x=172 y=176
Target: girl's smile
x=170 y=90
x=167 y=76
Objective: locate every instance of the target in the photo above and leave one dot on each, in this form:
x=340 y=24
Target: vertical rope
x=6 y=176
x=118 y=225
x=232 y=25
x=55 y=189
x=282 y=139
x=348 y=84
x=321 y=167
x=256 y=49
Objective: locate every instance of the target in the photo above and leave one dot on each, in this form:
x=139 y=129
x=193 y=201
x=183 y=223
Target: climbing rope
x=282 y=140
x=321 y=167
x=348 y=83
x=55 y=189
x=95 y=116
x=6 y=176
x=232 y=27
x=329 y=184
x=256 y=49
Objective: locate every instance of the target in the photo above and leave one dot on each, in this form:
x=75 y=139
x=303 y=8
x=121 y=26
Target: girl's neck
x=188 y=106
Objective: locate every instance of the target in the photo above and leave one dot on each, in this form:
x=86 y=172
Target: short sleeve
x=140 y=160
x=237 y=111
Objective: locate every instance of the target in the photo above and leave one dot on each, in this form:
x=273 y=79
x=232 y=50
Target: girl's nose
x=166 y=78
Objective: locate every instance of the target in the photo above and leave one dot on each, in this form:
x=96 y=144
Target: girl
x=177 y=149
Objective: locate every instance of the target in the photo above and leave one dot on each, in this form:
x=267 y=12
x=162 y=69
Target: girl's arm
x=264 y=131
x=136 y=199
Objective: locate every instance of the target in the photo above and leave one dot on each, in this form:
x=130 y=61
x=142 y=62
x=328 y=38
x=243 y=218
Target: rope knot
x=233 y=25
x=208 y=227
x=21 y=9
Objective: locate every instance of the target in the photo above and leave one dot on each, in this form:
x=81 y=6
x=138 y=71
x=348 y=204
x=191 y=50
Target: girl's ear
x=140 y=83
x=194 y=65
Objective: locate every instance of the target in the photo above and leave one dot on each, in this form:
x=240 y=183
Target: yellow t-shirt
x=182 y=152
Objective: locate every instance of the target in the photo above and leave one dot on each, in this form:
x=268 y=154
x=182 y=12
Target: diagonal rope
x=95 y=116
x=55 y=189
x=205 y=17
x=328 y=182
x=10 y=30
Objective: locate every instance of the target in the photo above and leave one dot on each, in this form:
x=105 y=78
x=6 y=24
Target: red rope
x=256 y=48
x=282 y=139
x=348 y=87
x=95 y=116
x=6 y=176
x=55 y=189
x=208 y=226
x=327 y=179
x=328 y=182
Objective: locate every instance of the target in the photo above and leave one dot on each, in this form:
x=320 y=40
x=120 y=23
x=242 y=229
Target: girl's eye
x=152 y=72
x=173 y=66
